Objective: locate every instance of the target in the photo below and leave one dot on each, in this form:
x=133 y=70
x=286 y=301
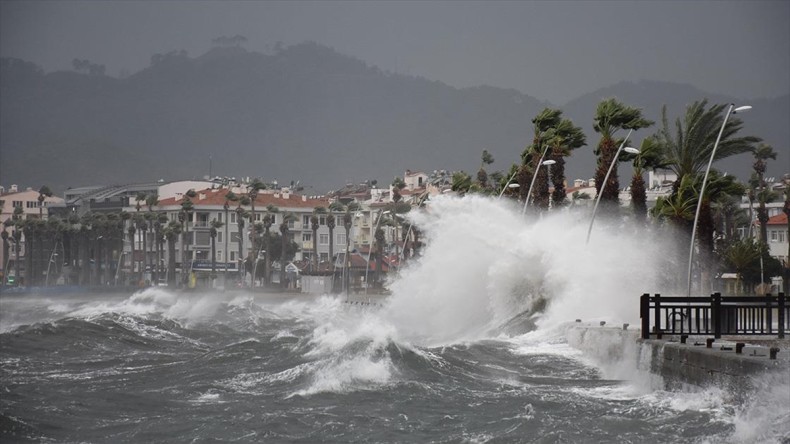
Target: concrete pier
x=691 y=363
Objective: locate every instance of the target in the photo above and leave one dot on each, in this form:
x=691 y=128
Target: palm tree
x=762 y=153
x=649 y=158
x=43 y=193
x=330 y=223
x=688 y=147
x=230 y=196
x=241 y=213
x=610 y=117
x=215 y=224
x=741 y=254
x=268 y=221
x=543 y=125
x=252 y=192
x=287 y=218
x=565 y=138
x=183 y=216
x=171 y=233
x=314 y=220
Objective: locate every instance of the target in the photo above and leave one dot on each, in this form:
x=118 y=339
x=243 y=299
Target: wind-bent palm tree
x=230 y=196
x=612 y=116
x=740 y=255
x=43 y=193
x=215 y=225
x=284 y=230
x=649 y=158
x=543 y=125
x=253 y=188
x=331 y=223
x=762 y=154
x=566 y=137
x=687 y=147
x=314 y=222
x=241 y=213
x=171 y=233
x=268 y=221
x=183 y=216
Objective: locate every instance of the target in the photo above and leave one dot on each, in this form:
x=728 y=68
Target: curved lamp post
x=730 y=110
x=508 y=184
x=534 y=176
x=622 y=147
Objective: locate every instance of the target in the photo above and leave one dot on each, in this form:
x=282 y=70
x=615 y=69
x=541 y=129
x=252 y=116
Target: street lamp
x=534 y=176
x=370 y=248
x=509 y=185
x=622 y=147
x=730 y=110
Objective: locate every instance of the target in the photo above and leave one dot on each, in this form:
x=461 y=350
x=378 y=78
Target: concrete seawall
x=675 y=365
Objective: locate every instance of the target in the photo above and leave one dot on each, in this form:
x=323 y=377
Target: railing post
x=716 y=314
x=644 y=314
x=781 y=305
x=768 y=316
x=658 y=315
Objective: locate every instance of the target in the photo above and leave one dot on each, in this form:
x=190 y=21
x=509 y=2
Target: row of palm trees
x=683 y=146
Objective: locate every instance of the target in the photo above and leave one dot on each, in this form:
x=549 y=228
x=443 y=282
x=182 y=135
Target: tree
x=184 y=216
x=284 y=230
x=687 y=149
x=762 y=153
x=215 y=224
x=612 y=116
x=171 y=232
x=741 y=254
x=330 y=223
x=268 y=221
x=43 y=193
x=542 y=125
x=241 y=213
x=649 y=158
x=314 y=222
x=565 y=138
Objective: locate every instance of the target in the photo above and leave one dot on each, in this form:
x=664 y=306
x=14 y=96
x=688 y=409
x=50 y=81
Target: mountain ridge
x=305 y=112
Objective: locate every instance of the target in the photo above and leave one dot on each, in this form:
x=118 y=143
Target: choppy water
x=467 y=349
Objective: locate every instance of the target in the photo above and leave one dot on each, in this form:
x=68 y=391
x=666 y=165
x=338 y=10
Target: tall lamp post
x=534 y=176
x=508 y=184
x=730 y=110
x=622 y=147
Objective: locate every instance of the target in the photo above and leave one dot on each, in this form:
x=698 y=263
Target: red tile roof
x=216 y=197
x=779 y=219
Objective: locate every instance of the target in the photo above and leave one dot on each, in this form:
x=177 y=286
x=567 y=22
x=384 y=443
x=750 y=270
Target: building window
x=291 y=224
x=32 y=204
x=307 y=237
x=202 y=238
x=341 y=238
x=233 y=218
x=219 y=236
x=323 y=239
x=305 y=220
x=233 y=256
x=234 y=236
x=322 y=220
x=219 y=255
x=17 y=204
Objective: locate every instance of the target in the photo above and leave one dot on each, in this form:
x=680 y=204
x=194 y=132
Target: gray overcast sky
x=554 y=51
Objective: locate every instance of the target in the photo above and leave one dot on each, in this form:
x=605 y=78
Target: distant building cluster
x=218 y=231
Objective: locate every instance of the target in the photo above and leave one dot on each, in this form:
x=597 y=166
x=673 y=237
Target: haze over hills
x=304 y=113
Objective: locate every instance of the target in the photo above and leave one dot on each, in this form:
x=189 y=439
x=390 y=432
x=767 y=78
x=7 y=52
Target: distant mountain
x=303 y=113
x=769 y=119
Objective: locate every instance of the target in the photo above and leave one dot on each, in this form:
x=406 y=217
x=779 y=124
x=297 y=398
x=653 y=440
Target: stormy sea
x=469 y=347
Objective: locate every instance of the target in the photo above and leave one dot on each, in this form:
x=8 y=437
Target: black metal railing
x=715 y=315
